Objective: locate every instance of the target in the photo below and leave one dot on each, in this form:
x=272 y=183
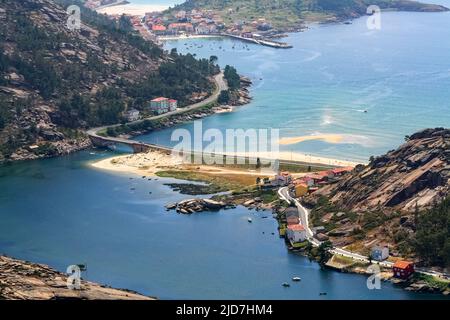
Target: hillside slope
x=284 y=14
x=393 y=200
x=416 y=175
x=55 y=81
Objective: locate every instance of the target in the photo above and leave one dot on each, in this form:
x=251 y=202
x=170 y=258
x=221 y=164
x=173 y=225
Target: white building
x=296 y=233
x=282 y=179
x=380 y=253
x=173 y=105
x=132 y=115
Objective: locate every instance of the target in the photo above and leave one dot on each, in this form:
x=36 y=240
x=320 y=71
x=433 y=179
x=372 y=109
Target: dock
x=263 y=42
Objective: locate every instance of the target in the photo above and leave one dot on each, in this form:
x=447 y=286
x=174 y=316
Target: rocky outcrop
x=191 y=206
x=416 y=175
x=243 y=94
x=21 y=280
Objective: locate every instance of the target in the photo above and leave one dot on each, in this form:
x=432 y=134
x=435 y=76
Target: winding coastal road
x=304 y=220
x=220 y=86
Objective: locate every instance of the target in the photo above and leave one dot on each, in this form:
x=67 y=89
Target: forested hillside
x=55 y=81
x=285 y=14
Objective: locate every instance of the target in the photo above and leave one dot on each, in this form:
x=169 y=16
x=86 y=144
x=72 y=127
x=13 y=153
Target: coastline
x=154 y=161
x=131 y=9
x=23 y=280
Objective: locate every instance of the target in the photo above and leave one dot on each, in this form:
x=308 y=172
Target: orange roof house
x=158 y=27
x=296 y=227
x=296 y=233
x=403 y=269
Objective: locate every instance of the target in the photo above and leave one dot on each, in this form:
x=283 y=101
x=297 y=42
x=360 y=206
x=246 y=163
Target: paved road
x=220 y=85
x=304 y=219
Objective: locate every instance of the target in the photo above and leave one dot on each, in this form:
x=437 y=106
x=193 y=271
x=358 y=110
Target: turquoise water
x=400 y=75
x=61 y=211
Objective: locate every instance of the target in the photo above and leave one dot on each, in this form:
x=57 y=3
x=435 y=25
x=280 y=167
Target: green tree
x=323 y=252
x=232 y=77
x=224 y=97
x=432 y=238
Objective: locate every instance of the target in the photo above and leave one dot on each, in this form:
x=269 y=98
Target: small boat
x=296 y=279
x=286 y=285
x=322 y=294
x=249 y=220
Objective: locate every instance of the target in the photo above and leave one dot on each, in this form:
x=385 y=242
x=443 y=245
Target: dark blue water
x=62 y=212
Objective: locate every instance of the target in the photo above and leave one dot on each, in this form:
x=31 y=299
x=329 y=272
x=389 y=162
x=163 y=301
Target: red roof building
x=403 y=269
x=296 y=227
x=158 y=27
x=181 y=27
x=159 y=99
x=341 y=171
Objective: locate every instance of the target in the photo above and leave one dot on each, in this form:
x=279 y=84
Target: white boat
x=296 y=279
x=250 y=220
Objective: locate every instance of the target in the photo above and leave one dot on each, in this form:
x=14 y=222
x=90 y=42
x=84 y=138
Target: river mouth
x=60 y=211
x=364 y=87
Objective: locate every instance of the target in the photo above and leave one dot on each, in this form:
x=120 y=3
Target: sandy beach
x=148 y=164
x=132 y=9
x=330 y=138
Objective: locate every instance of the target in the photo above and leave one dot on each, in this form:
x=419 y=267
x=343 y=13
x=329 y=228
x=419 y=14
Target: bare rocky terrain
x=21 y=280
x=416 y=175
x=379 y=204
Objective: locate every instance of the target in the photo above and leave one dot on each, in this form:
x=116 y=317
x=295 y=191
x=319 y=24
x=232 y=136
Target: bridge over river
x=100 y=140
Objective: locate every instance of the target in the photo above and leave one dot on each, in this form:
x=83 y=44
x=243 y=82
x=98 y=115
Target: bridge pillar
x=99 y=142
x=140 y=148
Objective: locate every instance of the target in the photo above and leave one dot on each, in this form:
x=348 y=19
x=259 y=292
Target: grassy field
x=217 y=182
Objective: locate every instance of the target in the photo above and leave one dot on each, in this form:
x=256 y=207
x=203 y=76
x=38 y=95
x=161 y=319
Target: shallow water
x=400 y=75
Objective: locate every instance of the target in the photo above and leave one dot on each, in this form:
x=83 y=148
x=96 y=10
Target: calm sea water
x=400 y=75
x=61 y=211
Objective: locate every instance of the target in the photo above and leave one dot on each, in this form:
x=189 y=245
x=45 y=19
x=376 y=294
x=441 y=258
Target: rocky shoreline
x=60 y=147
x=22 y=280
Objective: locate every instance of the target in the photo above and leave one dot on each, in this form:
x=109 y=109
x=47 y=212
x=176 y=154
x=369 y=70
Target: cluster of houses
x=184 y=22
x=202 y=22
x=295 y=232
x=309 y=183
x=157 y=106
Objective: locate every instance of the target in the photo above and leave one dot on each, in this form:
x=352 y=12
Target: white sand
x=150 y=163
x=132 y=9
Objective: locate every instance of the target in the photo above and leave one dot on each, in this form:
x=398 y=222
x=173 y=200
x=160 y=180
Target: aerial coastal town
x=157 y=26
x=138 y=190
